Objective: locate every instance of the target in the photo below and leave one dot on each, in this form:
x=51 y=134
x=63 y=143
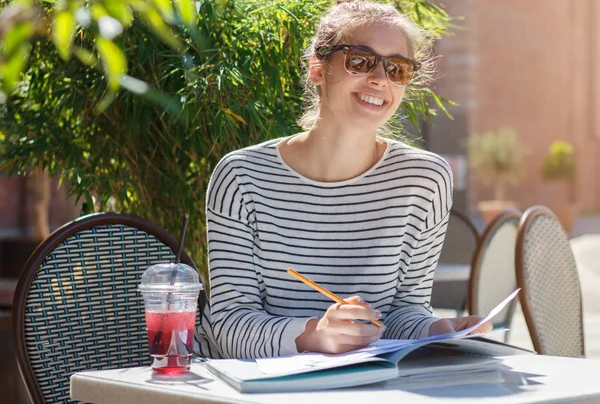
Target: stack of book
x=441 y=360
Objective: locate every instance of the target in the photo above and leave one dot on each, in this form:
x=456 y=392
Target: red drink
x=170 y=335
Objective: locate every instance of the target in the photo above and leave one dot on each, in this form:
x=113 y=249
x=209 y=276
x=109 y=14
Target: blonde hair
x=337 y=25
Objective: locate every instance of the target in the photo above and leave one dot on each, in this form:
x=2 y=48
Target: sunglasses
x=361 y=61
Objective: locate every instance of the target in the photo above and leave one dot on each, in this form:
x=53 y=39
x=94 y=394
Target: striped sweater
x=378 y=235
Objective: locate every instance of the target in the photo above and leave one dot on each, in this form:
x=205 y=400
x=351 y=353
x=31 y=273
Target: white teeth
x=371 y=100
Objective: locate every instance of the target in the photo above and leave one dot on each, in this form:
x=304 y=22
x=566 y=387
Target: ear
x=316 y=70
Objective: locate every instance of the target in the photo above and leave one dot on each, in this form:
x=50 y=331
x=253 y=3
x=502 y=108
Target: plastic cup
x=170 y=294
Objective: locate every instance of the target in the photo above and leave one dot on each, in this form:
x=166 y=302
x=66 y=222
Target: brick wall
x=529 y=65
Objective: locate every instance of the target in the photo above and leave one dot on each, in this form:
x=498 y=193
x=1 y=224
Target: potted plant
x=496 y=159
x=559 y=174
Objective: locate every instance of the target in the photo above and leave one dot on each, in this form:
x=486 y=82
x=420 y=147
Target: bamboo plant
x=133 y=102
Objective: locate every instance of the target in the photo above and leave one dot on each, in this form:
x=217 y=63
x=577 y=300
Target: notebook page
x=286 y=365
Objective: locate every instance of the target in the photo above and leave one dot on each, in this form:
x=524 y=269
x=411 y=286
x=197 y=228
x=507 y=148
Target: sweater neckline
x=332 y=183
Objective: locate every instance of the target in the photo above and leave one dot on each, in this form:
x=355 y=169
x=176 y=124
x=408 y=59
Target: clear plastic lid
x=170 y=278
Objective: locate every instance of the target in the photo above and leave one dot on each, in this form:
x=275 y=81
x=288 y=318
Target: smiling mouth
x=370 y=100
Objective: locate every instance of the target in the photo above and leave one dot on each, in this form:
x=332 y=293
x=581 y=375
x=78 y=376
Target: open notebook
x=442 y=355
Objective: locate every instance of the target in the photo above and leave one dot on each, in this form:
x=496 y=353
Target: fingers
x=346 y=336
x=357 y=300
x=339 y=331
x=360 y=330
x=354 y=312
x=483 y=328
x=360 y=339
x=469 y=321
x=442 y=326
x=354 y=300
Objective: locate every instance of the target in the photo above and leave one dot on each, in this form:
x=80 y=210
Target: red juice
x=170 y=336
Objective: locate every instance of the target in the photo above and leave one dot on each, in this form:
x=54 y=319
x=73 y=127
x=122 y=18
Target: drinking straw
x=186 y=217
x=158 y=335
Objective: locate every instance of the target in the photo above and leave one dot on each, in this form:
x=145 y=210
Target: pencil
x=321 y=289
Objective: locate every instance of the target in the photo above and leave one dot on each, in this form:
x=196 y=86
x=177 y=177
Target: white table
x=531 y=379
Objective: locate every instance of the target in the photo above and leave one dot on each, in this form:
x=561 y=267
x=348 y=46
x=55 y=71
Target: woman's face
x=343 y=94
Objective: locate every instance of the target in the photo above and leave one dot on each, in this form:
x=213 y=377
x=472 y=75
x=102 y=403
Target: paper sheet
x=296 y=363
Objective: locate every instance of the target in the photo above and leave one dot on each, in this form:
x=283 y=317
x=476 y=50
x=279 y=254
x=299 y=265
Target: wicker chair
x=77 y=306
x=551 y=294
x=460 y=243
x=493 y=269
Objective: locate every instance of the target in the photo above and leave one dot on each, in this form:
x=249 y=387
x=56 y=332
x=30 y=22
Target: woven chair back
x=551 y=294
x=77 y=306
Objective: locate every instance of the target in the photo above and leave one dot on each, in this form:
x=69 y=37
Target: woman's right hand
x=337 y=332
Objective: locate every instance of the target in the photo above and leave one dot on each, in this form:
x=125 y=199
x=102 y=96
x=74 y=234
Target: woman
x=357 y=213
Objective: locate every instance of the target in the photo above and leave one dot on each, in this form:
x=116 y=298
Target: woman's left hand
x=448 y=325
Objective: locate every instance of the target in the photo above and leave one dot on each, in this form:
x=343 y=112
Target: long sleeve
x=410 y=315
x=240 y=325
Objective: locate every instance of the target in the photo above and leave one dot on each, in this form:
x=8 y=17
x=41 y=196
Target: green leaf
x=154 y=21
x=439 y=101
x=16 y=36
x=120 y=11
x=89 y=201
x=166 y=9
x=187 y=11
x=105 y=102
x=63 y=32
x=234 y=115
x=98 y=11
x=85 y=56
x=113 y=60
x=11 y=69
x=7 y=165
x=167 y=102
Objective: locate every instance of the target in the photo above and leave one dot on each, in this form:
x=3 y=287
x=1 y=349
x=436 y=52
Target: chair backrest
x=551 y=294
x=461 y=239
x=493 y=268
x=77 y=306
x=460 y=243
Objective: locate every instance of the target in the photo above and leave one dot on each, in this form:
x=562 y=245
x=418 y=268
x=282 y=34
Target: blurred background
x=525 y=130
x=530 y=67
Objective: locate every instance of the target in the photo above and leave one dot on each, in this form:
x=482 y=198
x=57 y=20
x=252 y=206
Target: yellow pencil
x=321 y=289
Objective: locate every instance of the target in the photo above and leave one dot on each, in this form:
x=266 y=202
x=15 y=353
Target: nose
x=377 y=76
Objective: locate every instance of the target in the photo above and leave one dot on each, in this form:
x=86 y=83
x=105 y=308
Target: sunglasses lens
x=359 y=62
x=400 y=71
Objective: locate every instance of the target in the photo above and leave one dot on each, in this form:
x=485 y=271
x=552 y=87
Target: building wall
x=457 y=60
x=529 y=65
x=16 y=208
